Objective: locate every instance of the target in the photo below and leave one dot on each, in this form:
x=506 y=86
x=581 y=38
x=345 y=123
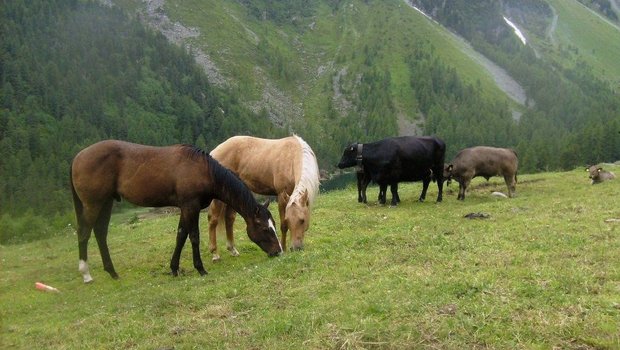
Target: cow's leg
x=382 y=193
x=230 y=216
x=101 y=234
x=360 y=186
x=215 y=213
x=365 y=183
x=394 y=190
x=461 y=195
x=440 y=190
x=463 y=187
x=511 y=184
x=439 y=178
x=397 y=195
x=425 y=184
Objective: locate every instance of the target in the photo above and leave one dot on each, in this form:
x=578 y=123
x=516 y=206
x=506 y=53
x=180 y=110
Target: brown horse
x=180 y=175
x=286 y=168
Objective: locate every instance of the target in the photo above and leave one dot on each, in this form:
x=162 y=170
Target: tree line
x=74 y=72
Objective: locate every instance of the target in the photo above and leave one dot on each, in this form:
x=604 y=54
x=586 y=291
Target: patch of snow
x=502 y=79
x=516 y=30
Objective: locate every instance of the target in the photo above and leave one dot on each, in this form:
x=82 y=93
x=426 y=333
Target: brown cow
x=483 y=161
x=598 y=175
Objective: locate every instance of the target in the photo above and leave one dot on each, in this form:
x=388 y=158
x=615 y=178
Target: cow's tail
x=440 y=159
x=517 y=156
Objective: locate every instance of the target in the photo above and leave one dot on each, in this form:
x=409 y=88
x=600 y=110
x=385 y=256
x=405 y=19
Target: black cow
x=396 y=159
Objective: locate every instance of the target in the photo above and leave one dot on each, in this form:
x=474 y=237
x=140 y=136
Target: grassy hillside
x=293 y=62
x=582 y=34
x=541 y=272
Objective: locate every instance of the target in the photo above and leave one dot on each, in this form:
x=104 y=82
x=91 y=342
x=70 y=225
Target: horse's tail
x=77 y=202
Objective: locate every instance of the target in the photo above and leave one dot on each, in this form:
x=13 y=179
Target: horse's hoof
x=88 y=280
x=174 y=273
x=216 y=258
x=202 y=272
x=234 y=252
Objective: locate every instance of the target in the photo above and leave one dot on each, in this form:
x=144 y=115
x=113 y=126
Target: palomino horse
x=286 y=168
x=180 y=175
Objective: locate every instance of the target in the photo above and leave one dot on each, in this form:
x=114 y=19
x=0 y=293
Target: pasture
x=542 y=272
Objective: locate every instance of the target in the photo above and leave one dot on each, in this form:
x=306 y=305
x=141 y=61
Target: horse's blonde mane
x=309 y=179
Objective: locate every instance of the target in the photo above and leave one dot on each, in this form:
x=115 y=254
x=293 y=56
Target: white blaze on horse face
x=83 y=268
x=273 y=227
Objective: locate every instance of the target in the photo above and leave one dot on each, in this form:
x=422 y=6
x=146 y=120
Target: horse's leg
x=230 y=215
x=192 y=224
x=101 y=234
x=182 y=233
x=282 y=201
x=86 y=216
x=83 y=234
x=216 y=209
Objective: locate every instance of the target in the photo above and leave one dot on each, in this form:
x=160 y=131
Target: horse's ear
x=286 y=197
x=304 y=198
x=599 y=169
x=450 y=166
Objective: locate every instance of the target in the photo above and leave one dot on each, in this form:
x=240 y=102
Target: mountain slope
x=581 y=34
x=307 y=68
x=302 y=63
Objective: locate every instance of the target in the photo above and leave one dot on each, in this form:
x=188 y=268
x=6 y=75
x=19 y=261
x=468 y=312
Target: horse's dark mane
x=230 y=189
x=195 y=151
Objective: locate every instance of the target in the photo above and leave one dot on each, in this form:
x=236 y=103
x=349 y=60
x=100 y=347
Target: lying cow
x=598 y=175
x=396 y=159
x=483 y=161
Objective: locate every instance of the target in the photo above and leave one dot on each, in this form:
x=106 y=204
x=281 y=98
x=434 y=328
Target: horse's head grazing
x=297 y=219
x=262 y=230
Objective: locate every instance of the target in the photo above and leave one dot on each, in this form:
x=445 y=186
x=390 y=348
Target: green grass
x=597 y=39
x=541 y=272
